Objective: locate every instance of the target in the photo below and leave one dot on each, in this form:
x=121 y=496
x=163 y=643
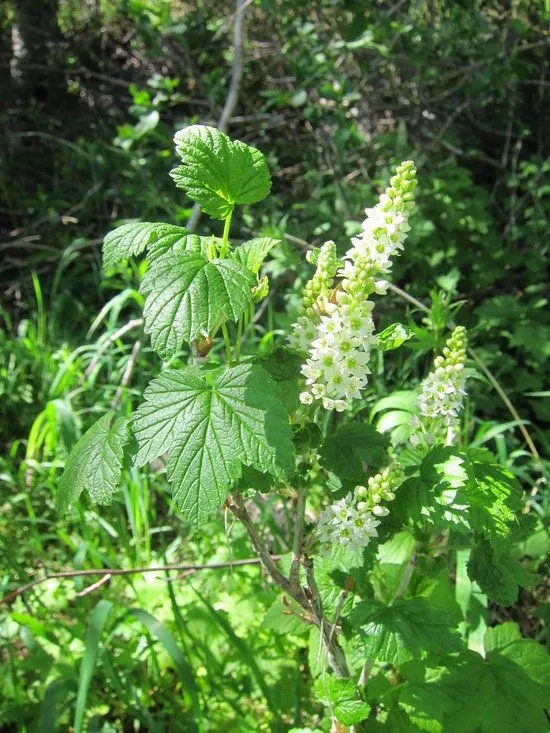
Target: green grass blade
x=244 y=651
x=159 y=630
x=93 y=637
x=48 y=712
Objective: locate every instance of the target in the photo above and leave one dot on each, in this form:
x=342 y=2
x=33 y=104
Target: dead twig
x=234 y=87
x=66 y=574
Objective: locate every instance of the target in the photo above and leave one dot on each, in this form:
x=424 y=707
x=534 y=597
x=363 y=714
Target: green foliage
x=251 y=254
x=498 y=574
x=186 y=296
x=316 y=98
x=351 y=448
x=342 y=699
x=211 y=424
x=217 y=172
x=500 y=691
x=95 y=463
x=394 y=336
x=130 y=240
x=408 y=629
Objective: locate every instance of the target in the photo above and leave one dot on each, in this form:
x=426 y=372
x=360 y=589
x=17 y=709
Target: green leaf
x=182 y=665
x=98 y=620
x=500 y=636
x=95 y=463
x=187 y=296
x=409 y=629
x=393 y=336
x=353 y=450
x=498 y=575
x=284 y=366
x=245 y=652
x=285 y=619
x=495 y=499
x=342 y=698
x=130 y=240
x=211 y=423
x=533 y=658
x=464 y=491
x=397 y=410
x=501 y=693
x=218 y=172
x=251 y=254
x=392 y=568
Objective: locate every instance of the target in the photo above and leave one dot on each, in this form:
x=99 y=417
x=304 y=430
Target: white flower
x=303 y=333
x=339 y=326
x=341 y=524
x=442 y=392
x=338 y=358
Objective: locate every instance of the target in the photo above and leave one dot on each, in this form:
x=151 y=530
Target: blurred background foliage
x=335 y=93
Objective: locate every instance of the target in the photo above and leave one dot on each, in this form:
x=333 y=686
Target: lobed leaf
x=502 y=692
x=408 y=629
x=352 y=450
x=495 y=499
x=130 y=240
x=251 y=254
x=95 y=463
x=218 y=172
x=498 y=575
x=188 y=296
x=342 y=697
x=211 y=423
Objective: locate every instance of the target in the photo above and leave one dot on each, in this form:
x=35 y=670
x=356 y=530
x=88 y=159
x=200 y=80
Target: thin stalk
x=238 y=339
x=227 y=342
x=225 y=238
x=294 y=574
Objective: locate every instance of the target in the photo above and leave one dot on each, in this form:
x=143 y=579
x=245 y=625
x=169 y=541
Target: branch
x=310 y=601
x=294 y=574
x=335 y=653
x=237 y=507
x=233 y=93
x=128 y=571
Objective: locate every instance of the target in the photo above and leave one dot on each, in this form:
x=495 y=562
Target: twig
x=339 y=607
x=125 y=571
x=335 y=653
x=294 y=574
x=310 y=601
x=133 y=323
x=127 y=376
x=237 y=507
x=233 y=93
x=94 y=586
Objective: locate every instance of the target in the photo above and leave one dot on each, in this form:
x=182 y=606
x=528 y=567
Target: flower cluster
x=337 y=329
x=322 y=281
x=442 y=392
x=317 y=289
x=352 y=521
x=386 y=225
x=337 y=370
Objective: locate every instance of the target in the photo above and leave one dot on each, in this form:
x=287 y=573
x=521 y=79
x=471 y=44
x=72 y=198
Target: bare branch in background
x=234 y=87
x=65 y=574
